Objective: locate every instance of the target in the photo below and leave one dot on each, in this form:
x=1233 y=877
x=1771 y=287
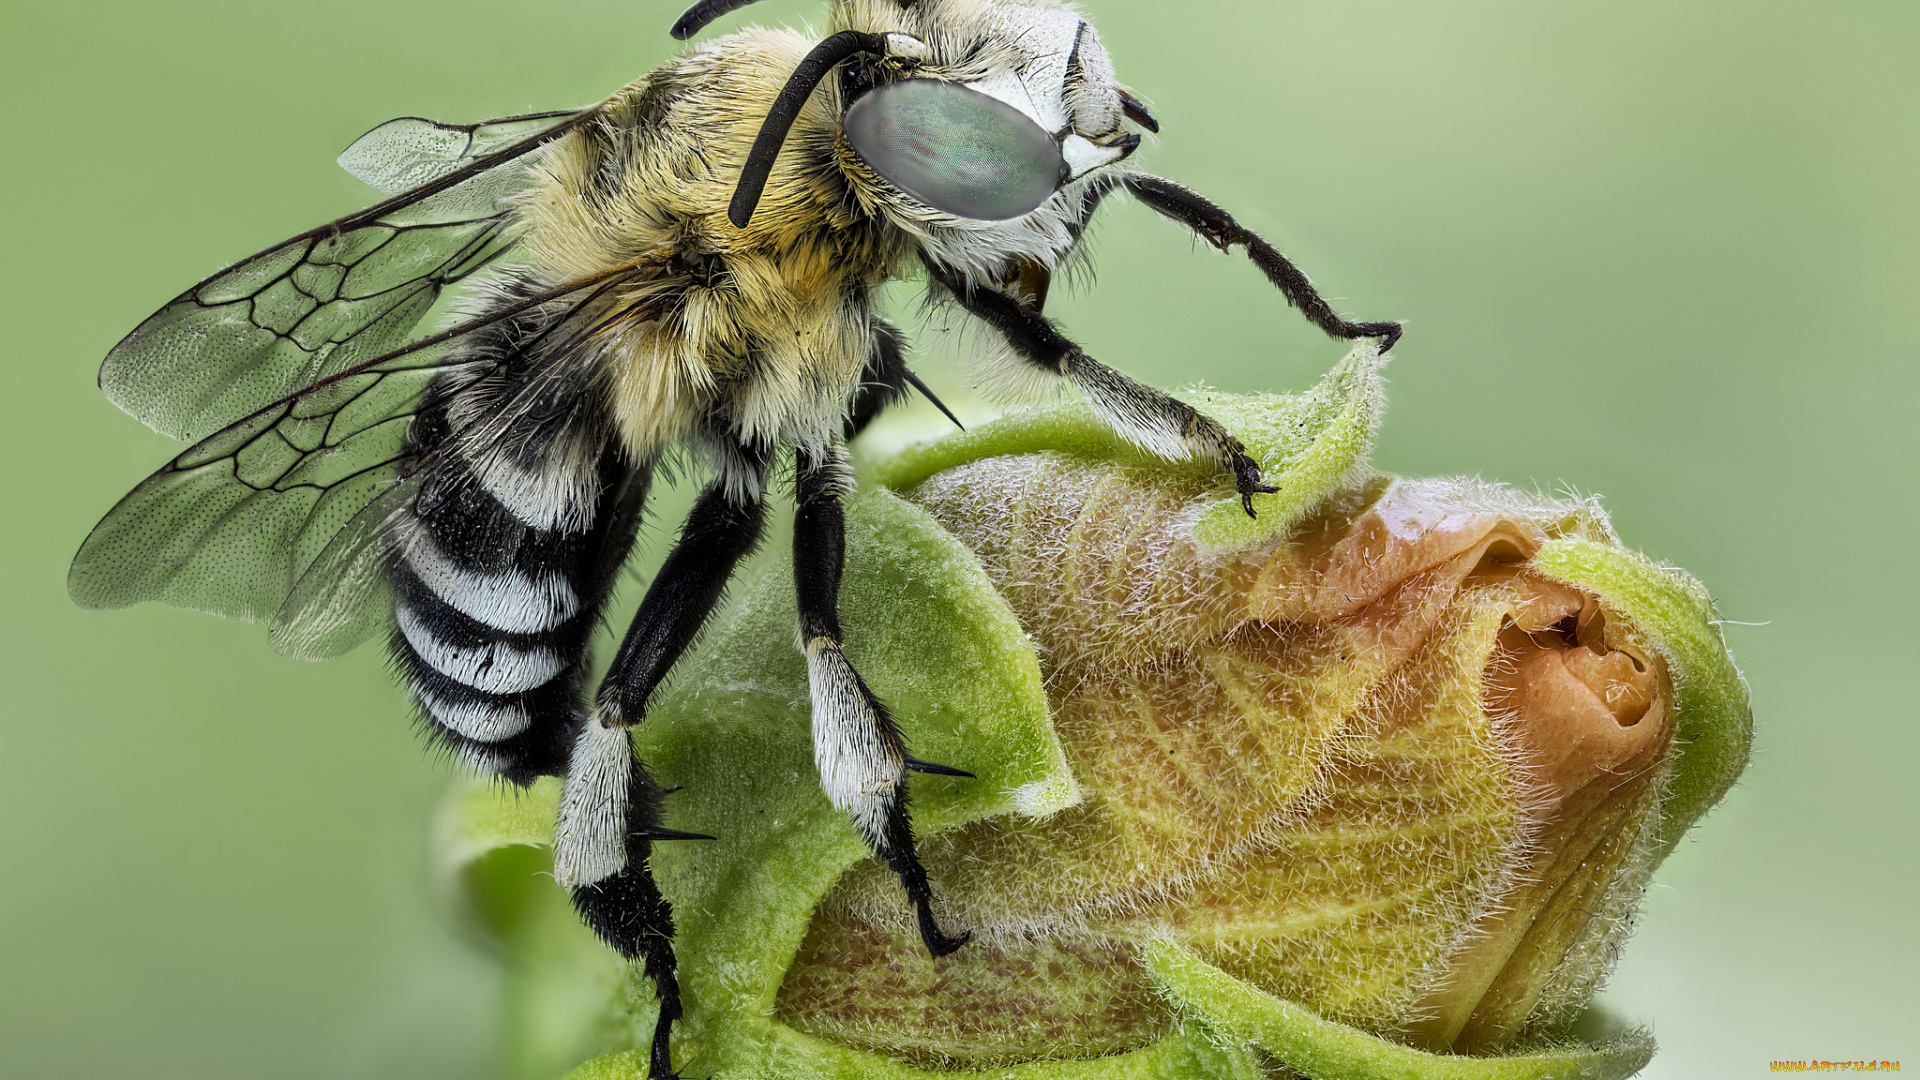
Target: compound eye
x=955 y=149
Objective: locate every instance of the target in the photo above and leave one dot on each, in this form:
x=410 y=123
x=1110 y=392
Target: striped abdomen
x=502 y=560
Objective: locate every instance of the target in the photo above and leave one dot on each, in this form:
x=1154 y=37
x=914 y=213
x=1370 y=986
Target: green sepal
x=1320 y=1049
x=479 y=824
x=1713 y=733
x=1308 y=445
x=935 y=640
x=564 y=993
x=781 y=1053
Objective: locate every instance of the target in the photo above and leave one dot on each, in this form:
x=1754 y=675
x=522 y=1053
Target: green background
x=1660 y=250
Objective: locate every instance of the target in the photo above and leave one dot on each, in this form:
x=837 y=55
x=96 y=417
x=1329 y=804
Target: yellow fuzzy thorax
x=777 y=342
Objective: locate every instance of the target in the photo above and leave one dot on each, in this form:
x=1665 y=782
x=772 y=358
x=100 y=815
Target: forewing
x=406 y=153
x=332 y=297
x=281 y=516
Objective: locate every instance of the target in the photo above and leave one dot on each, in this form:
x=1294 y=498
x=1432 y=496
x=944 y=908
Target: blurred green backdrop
x=1660 y=249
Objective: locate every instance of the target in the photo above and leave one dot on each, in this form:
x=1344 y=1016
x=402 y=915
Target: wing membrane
x=278 y=516
x=336 y=296
x=406 y=153
x=233 y=524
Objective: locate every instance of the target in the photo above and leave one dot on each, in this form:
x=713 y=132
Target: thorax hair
x=762 y=330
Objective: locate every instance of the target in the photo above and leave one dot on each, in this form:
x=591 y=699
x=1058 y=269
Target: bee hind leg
x=610 y=808
x=861 y=755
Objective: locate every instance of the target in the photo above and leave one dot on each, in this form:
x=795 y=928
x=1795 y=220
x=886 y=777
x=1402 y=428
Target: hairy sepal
x=927 y=630
x=1309 y=445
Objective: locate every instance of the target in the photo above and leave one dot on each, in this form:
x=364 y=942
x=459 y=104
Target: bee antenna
x=786 y=109
x=928 y=393
x=696 y=18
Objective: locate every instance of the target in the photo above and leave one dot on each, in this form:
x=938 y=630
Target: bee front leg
x=610 y=810
x=1217 y=227
x=858 y=748
x=1150 y=419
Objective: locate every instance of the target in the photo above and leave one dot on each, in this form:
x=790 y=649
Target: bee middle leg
x=858 y=748
x=884 y=382
x=610 y=809
x=1155 y=421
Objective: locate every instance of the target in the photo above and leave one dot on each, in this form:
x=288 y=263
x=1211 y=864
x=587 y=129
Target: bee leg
x=1154 y=421
x=1190 y=208
x=610 y=809
x=608 y=822
x=861 y=755
x=723 y=527
x=883 y=382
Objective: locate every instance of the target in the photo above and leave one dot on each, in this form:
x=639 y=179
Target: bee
x=688 y=267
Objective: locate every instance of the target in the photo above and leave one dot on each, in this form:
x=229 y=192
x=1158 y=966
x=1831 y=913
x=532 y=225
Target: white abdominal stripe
x=557 y=495
x=520 y=736
x=474 y=654
x=484 y=718
x=490 y=627
x=507 y=599
x=478 y=684
x=856 y=745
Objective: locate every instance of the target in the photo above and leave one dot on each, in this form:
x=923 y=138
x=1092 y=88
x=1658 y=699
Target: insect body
x=687 y=266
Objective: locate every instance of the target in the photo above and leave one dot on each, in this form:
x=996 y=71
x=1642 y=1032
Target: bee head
x=1018 y=101
x=961 y=114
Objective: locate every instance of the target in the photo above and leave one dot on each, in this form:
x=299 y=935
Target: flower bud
x=1358 y=787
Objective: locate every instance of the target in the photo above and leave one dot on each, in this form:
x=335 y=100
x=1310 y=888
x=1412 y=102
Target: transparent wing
x=280 y=517
x=342 y=597
x=337 y=296
x=232 y=525
x=407 y=153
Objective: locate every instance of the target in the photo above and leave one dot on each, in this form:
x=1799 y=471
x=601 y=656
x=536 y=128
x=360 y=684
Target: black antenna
x=699 y=15
x=786 y=109
x=696 y=18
